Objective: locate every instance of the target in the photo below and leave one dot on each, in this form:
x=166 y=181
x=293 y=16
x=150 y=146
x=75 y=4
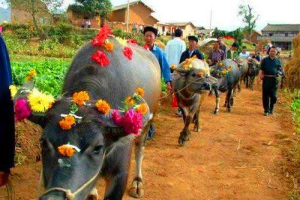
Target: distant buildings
x=188 y=28
x=281 y=35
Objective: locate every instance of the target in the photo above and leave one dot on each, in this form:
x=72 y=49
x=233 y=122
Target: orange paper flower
x=140 y=91
x=80 y=97
x=103 y=106
x=108 y=46
x=66 y=150
x=67 y=122
x=30 y=75
x=201 y=74
x=173 y=67
x=129 y=101
x=142 y=108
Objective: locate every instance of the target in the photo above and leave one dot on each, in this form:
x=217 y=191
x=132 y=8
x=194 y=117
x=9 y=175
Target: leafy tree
x=93 y=8
x=249 y=18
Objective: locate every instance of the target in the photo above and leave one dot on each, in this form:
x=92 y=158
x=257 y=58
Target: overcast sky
x=224 y=12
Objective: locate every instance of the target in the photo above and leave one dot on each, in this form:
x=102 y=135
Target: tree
x=35 y=7
x=93 y=8
x=249 y=18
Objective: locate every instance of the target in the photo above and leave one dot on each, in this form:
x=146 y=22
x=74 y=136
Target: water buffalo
x=243 y=66
x=228 y=77
x=105 y=147
x=251 y=73
x=189 y=86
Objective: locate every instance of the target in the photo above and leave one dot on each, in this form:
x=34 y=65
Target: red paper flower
x=132 y=41
x=100 y=58
x=104 y=32
x=146 y=47
x=128 y=52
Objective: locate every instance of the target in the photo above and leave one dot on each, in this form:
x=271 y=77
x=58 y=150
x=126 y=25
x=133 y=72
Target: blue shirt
x=163 y=62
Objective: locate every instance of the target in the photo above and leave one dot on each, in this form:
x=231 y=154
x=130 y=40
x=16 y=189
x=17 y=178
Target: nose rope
x=68 y=192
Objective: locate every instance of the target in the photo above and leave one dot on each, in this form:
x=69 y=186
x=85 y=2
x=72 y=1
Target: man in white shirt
x=175 y=48
x=244 y=54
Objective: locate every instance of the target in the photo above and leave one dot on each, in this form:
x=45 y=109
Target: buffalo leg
x=228 y=99
x=184 y=135
x=217 y=108
x=137 y=189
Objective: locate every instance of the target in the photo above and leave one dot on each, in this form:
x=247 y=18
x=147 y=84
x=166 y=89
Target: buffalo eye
x=97 y=149
x=194 y=75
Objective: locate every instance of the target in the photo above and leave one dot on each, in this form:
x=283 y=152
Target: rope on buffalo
x=166 y=96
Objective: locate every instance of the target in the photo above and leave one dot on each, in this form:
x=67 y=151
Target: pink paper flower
x=132 y=122
x=22 y=110
x=128 y=52
x=100 y=58
x=117 y=118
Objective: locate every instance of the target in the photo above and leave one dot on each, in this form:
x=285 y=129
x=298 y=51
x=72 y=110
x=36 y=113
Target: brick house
x=21 y=13
x=281 y=35
x=188 y=28
x=254 y=36
x=139 y=14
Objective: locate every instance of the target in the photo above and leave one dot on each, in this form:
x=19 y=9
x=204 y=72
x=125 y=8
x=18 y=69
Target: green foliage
x=137 y=36
x=50 y=74
x=92 y=7
x=296 y=113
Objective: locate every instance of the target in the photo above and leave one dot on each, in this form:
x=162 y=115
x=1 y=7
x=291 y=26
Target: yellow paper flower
x=67 y=122
x=103 y=106
x=108 y=46
x=30 y=75
x=140 y=91
x=142 y=108
x=129 y=101
x=13 y=91
x=80 y=97
x=201 y=74
x=220 y=64
x=40 y=102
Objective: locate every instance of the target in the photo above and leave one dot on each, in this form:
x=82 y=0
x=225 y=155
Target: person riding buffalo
x=192 y=50
x=270 y=68
x=216 y=55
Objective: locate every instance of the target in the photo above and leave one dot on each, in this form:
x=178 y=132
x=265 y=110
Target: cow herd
x=105 y=148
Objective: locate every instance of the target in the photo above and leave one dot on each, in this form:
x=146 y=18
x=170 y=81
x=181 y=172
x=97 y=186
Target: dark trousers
x=269 y=93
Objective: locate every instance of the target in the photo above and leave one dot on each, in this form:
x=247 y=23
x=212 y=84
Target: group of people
x=176 y=52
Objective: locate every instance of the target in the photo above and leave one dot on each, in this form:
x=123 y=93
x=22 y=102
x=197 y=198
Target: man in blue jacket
x=7 y=126
x=150 y=34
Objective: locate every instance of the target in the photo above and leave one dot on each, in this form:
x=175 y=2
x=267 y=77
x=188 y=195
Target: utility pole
x=127 y=18
x=210 y=19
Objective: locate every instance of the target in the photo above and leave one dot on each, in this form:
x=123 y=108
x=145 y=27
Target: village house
x=254 y=36
x=21 y=13
x=140 y=15
x=281 y=35
x=188 y=28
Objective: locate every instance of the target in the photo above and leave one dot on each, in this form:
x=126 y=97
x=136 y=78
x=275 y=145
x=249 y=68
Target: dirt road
x=236 y=155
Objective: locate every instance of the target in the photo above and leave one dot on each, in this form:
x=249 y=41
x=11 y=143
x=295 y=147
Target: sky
x=224 y=12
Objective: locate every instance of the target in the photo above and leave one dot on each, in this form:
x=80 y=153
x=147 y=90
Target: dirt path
x=236 y=156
